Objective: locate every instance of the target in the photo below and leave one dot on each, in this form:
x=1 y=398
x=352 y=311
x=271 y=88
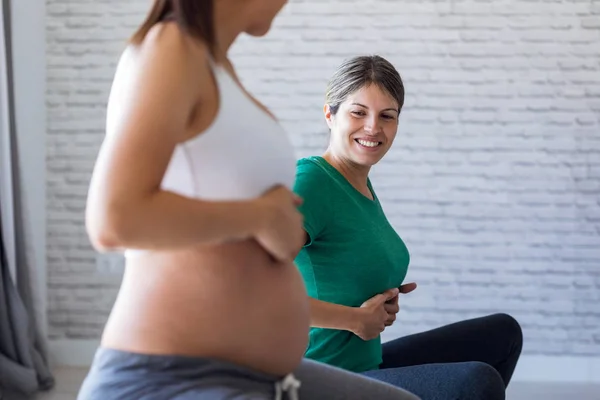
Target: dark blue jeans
x=467 y=360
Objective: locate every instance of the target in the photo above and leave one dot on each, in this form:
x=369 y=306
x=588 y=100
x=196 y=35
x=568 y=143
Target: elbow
x=108 y=231
x=104 y=241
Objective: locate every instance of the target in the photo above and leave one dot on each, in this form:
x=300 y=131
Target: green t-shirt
x=352 y=254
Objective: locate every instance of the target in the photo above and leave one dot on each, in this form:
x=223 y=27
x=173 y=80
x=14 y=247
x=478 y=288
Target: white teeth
x=367 y=143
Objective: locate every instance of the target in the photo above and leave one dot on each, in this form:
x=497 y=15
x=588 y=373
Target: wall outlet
x=110 y=263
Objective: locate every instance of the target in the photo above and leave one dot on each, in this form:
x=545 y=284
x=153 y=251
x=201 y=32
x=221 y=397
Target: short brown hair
x=358 y=72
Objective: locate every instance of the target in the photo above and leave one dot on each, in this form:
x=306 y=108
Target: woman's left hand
x=392 y=307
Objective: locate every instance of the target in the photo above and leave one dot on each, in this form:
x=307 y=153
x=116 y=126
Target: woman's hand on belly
x=373 y=315
x=281 y=232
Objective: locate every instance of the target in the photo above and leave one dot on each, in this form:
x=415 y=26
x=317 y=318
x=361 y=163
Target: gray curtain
x=23 y=366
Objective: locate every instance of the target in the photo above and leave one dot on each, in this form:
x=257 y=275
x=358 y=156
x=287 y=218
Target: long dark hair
x=195 y=17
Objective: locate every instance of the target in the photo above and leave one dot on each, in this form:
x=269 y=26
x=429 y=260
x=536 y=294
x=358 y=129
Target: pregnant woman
x=193 y=181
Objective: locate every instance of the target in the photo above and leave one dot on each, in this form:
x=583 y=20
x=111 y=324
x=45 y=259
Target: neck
x=357 y=175
x=227 y=29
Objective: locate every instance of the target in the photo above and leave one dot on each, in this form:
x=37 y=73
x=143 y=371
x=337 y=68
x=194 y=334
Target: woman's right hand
x=373 y=315
x=281 y=230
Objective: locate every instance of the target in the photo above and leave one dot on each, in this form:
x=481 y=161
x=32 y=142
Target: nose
x=372 y=125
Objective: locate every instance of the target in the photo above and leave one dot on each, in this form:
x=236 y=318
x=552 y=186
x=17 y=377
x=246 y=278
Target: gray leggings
x=129 y=376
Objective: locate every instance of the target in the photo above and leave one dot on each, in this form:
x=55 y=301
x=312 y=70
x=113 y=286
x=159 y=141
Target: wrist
x=245 y=218
x=256 y=217
x=354 y=319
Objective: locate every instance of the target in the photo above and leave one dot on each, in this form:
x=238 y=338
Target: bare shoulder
x=166 y=78
x=173 y=52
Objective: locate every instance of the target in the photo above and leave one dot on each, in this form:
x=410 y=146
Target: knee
x=482 y=382
x=510 y=328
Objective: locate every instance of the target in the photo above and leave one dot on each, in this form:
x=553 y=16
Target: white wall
x=493 y=182
x=29 y=73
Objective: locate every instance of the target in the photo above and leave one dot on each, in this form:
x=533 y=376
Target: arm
x=334 y=316
x=126 y=206
x=366 y=321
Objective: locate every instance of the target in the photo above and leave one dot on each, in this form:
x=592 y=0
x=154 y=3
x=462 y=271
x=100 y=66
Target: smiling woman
x=366 y=95
x=354 y=263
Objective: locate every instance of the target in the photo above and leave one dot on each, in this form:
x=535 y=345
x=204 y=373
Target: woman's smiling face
x=364 y=125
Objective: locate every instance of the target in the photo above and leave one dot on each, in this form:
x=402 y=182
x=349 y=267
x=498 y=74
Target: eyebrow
x=387 y=109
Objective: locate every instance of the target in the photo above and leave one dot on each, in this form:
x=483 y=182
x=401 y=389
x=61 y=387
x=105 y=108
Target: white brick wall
x=494 y=180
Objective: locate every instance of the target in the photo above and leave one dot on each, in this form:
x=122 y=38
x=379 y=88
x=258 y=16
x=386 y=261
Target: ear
x=328 y=115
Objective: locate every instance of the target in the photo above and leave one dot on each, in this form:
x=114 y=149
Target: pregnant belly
x=230 y=302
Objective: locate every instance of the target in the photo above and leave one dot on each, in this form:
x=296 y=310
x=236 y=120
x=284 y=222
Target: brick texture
x=493 y=182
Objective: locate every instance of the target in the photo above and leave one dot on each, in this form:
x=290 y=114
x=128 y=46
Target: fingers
x=275 y=188
x=382 y=298
x=297 y=200
x=377 y=299
x=391 y=293
x=391 y=308
x=281 y=258
x=408 y=287
x=390 y=320
x=283 y=190
x=389 y=296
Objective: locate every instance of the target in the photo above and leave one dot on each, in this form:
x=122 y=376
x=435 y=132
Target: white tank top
x=243 y=153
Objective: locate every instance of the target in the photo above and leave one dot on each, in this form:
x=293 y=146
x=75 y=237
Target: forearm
x=333 y=316
x=166 y=220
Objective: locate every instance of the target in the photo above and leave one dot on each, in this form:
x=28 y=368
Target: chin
x=259 y=31
x=366 y=161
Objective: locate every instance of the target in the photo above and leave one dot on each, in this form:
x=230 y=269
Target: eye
x=358 y=113
x=388 y=117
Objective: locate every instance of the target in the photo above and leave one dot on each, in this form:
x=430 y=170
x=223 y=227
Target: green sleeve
x=311 y=185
